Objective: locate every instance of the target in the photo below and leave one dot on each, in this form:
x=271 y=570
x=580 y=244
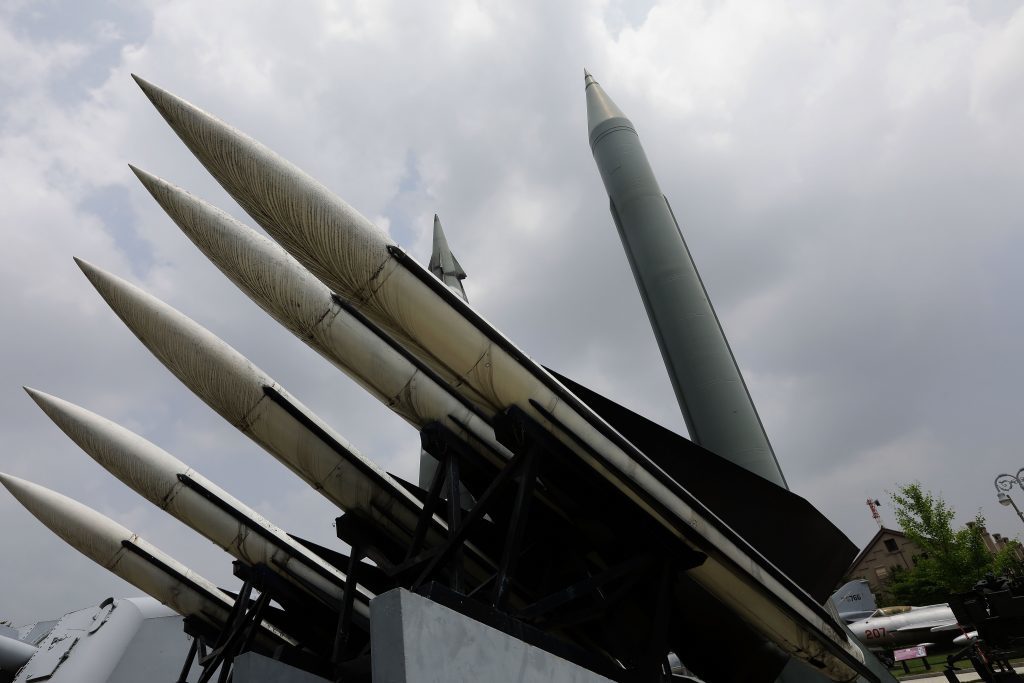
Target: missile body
x=361 y=263
x=443 y=263
x=258 y=406
x=290 y=294
x=264 y=411
x=712 y=395
x=117 y=549
x=14 y=653
x=182 y=492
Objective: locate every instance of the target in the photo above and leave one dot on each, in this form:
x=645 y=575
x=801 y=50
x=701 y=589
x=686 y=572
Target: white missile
x=182 y=492
x=125 y=554
x=258 y=406
x=14 y=653
x=264 y=411
x=361 y=263
x=279 y=285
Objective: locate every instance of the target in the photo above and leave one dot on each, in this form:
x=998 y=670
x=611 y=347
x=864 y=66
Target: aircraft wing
x=932 y=626
x=947 y=626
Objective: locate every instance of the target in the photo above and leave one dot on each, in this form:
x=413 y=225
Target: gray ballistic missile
x=123 y=553
x=176 y=488
x=443 y=263
x=712 y=395
x=361 y=263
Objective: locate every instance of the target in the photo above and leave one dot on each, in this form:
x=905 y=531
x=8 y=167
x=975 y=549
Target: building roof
x=874 y=539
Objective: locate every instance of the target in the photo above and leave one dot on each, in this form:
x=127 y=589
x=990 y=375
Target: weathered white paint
x=100 y=539
x=153 y=473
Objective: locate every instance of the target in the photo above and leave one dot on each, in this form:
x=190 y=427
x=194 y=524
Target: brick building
x=891 y=548
x=887 y=549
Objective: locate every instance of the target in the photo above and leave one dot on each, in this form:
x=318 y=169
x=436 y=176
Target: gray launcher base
x=255 y=668
x=416 y=640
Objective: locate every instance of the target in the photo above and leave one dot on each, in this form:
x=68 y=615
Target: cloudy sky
x=848 y=177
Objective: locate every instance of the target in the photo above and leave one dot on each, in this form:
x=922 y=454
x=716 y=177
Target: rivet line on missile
x=409 y=356
x=306 y=421
x=235 y=514
x=133 y=547
x=163 y=566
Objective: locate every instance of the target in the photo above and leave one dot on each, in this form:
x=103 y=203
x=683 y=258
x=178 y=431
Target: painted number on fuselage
x=873 y=633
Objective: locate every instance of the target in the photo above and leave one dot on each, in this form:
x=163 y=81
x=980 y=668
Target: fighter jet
x=895 y=627
x=854 y=601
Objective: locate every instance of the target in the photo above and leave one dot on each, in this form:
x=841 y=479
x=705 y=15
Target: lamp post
x=1003 y=483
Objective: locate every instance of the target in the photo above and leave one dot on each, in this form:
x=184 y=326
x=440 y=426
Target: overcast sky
x=848 y=176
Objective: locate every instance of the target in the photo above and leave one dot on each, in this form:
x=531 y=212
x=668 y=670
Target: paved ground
x=938 y=677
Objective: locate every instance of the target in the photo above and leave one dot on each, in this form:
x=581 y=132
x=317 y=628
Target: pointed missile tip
x=15 y=485
x=94 y=274
x=86 y=267
x=600 y=107
x=159 y=97
x=144 y=85
x=47 y=402
x=35 y=394
x=148 y=180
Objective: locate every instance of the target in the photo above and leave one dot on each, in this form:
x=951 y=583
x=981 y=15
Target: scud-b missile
x=712 y=395
x=130 y=557
x=362 y=264
x=179 y=490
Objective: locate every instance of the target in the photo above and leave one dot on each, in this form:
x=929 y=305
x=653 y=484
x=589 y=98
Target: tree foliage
x=953 y=560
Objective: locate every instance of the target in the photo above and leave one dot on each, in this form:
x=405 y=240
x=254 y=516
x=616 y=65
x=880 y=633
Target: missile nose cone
x=51 y=405
x=12 y=484
x=600 y=107
x=148 y=180
x=92 y=272
x=38 y=396
x=105 y=283
x=158 y=96
x=159 y=189
x=443 y=263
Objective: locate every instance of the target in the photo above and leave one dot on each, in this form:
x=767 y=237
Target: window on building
x=890 y=545
x=882 y=573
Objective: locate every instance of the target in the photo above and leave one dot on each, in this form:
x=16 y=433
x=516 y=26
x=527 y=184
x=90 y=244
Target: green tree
x=953 y=559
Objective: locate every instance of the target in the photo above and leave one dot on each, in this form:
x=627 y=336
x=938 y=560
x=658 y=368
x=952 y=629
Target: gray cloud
x=847 y=178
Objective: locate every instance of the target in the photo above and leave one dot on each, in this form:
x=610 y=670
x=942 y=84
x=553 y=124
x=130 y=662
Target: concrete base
x=255 y=668
x=416 y=640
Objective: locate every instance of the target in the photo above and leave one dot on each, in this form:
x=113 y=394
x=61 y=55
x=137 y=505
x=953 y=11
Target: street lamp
x=1003 y=483
x=1004 y=499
